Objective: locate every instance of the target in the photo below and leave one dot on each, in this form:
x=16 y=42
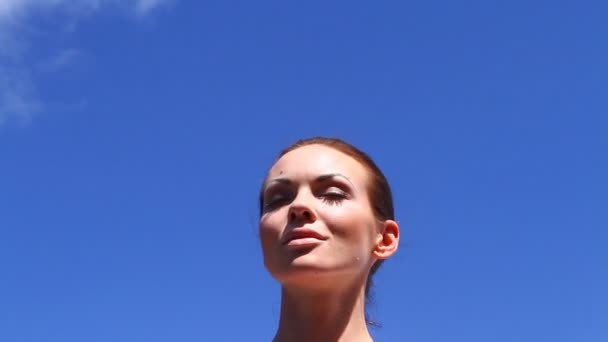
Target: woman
x=326 y=225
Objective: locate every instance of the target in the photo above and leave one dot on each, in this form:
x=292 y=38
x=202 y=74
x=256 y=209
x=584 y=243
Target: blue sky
x=134 y=137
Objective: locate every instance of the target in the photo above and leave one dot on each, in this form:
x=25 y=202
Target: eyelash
x=274 y=203
x=331 y=197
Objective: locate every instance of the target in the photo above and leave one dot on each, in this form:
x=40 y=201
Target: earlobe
x=388 y=240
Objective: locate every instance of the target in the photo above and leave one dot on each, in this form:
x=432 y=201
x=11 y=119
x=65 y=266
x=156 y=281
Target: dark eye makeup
x=274 y=200
x=281 y=194
x=334 y=195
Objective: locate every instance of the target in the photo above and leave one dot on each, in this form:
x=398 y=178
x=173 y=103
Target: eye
x=334 y=196
x=275 y=200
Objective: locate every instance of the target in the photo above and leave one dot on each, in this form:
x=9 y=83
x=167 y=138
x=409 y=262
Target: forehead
x=314 y=160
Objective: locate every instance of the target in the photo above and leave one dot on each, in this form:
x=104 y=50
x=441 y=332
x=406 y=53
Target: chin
x=309 y=271
x=303 y=260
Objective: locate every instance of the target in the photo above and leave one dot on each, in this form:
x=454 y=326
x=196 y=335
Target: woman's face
x=317 y=224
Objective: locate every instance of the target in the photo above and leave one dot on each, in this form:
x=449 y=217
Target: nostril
x=302 y=214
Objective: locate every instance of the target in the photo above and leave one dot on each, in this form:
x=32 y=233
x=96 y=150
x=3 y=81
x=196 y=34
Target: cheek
x=352 y=225
x=270 y=230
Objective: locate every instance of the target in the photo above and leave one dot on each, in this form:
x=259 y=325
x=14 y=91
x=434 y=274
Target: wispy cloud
x=60 y=59
x=18 y=100
x=144 y=7
x=18 y=94
x=12 y=11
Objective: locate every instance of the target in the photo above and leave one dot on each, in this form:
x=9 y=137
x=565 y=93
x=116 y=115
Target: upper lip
x=301 y=233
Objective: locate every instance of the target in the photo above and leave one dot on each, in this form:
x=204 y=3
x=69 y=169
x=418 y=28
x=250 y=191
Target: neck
x=322 y=316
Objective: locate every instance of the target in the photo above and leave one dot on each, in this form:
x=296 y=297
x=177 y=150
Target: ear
x=387 y=241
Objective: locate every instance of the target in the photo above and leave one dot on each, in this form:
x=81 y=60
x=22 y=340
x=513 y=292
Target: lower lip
x=304 y=242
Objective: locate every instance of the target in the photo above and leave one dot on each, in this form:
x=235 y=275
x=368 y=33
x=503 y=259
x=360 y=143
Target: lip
x=303 y=237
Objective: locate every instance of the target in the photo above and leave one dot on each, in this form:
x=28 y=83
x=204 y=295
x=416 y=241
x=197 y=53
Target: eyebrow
x=321 y=178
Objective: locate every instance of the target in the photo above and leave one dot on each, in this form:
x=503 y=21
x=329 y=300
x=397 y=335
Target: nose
x=301 y=210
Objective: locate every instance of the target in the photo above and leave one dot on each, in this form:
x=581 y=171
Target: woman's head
x=326 y=215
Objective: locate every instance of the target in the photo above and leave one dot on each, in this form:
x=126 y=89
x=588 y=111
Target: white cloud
x=17 y=95
x=143 y=7
x=14 y=10
x=18 y=99
x=61 y=59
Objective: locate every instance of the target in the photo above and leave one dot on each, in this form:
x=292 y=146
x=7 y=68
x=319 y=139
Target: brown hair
x=380 y=195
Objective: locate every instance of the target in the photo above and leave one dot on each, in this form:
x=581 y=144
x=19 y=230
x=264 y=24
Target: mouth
x=303 y=242
x=303 y=238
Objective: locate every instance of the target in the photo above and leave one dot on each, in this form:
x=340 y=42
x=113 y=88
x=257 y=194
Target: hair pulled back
x=380 y=195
